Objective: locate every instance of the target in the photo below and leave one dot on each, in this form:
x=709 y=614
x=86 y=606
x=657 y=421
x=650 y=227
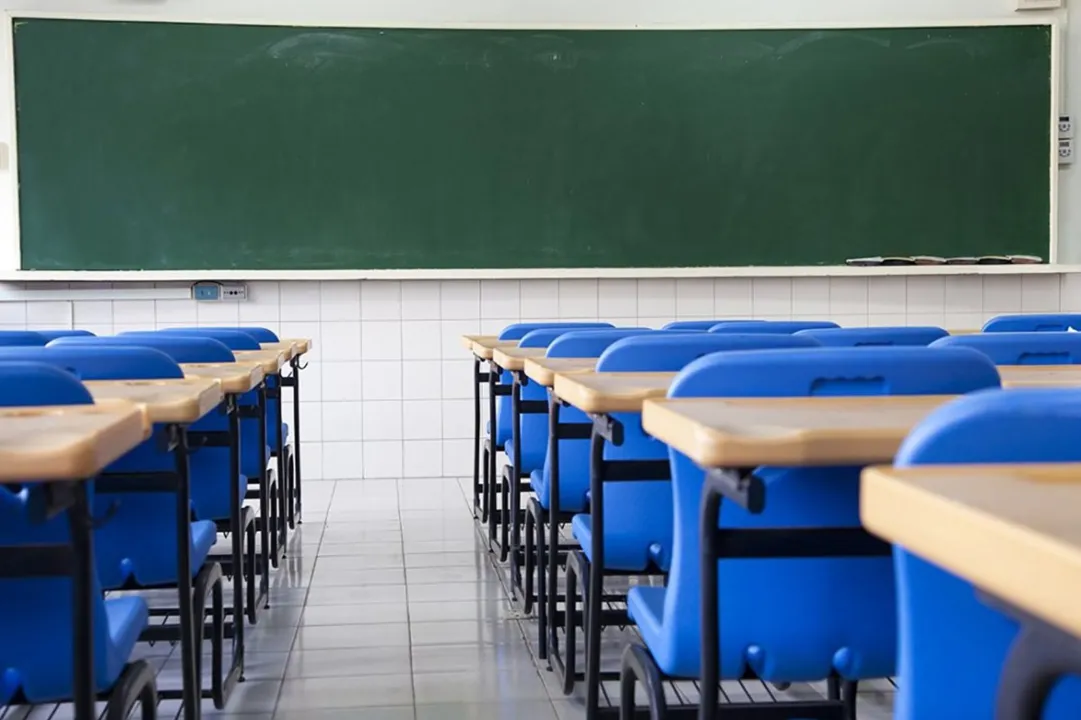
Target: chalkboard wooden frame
x=10 y=252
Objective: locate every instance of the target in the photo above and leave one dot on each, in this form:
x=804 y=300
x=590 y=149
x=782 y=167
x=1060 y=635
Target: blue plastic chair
x=638 y=516
x=252 y=462
x=261 y=334
x=12 y=338
x=51 y=335
x=89 y=363
x=36 y=613
x=791 y=619
x=786 y=327
x=209 y=466
x=944 y=626
x=517 y=331
x=181 y=349
x=1021 y=348
x=876 y=336
x=139 y=540
x=1054 y=322
x=534 y=427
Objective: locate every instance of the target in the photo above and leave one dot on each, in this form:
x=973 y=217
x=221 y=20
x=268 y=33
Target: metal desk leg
x=82 y=589
x=191 y=688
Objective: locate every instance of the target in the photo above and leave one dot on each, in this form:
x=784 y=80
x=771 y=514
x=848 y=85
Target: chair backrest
x=261 y=334
x=876 y=336
x=841 y=371
x=26 y=383
x=232 y=339
x=671 y=352
x=1051 y=322
x=698 y=324
x=1021 y=348
x=36 y=652
x=786 y=327
x=519 y=330
x=848 y=601
x=591 y=343
x=12 y=338
x=103 y=362
x=51 y=335
x=180 y=348
x=942 y=621
x=543 y=337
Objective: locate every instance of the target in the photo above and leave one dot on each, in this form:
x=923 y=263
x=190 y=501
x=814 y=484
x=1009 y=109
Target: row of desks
x=1010 y=530
x=71 y=444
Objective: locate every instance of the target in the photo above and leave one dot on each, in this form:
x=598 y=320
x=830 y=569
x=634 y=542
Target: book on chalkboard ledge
x=880 y=261
x=936 y=260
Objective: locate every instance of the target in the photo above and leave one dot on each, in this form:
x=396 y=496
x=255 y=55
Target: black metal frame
x=1038 y=658
x=293 y=380
x=605 y=428
x=492 y=486
x=192 y=595
x=513 y=485
x=749 y=492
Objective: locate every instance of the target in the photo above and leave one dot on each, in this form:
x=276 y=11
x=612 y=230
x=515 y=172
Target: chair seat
x=645 y=606
x=127 y=616
x=625 y=548
x=532 y=458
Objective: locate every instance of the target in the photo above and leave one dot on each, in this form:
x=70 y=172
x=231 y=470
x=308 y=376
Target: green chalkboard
x=188 y=146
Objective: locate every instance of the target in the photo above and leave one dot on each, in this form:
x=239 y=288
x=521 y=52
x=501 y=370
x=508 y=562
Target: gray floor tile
x=456 y=591
x=443 y=575
x=374 y=713
x=388 y=561
x=512 y=710
x=472 y=544
x=448 y=632
x=354 y=692
x=253 y=696
x=477 y=686
x=366 y=614
x=352 y=636
x=420 y=612
x=357 y=578
x=347 y=549
x=470 y=558
x=356 y=595
x=453 y=658
x=349 y=662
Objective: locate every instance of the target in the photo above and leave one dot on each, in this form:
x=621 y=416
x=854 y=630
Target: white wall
x=388 y=392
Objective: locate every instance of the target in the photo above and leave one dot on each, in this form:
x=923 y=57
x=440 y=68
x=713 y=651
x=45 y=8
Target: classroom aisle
x=389 y=608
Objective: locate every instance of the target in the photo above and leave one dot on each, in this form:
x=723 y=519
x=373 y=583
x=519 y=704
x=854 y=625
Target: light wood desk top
x=288 y=348
x=271 y=360
x=964 y=332
x=235 y=378
x=513 y=358
x=181 y=400
x=70 y=442
x=595 y=392
x=543 y=370
x=1012 y=530
x=300 y=345
x=1037 y=376
x=483 y=345
x=745 y=432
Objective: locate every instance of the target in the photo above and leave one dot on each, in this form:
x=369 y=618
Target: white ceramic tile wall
x=387 y=392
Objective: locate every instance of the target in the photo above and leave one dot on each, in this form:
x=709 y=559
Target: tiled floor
x=389 y=607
